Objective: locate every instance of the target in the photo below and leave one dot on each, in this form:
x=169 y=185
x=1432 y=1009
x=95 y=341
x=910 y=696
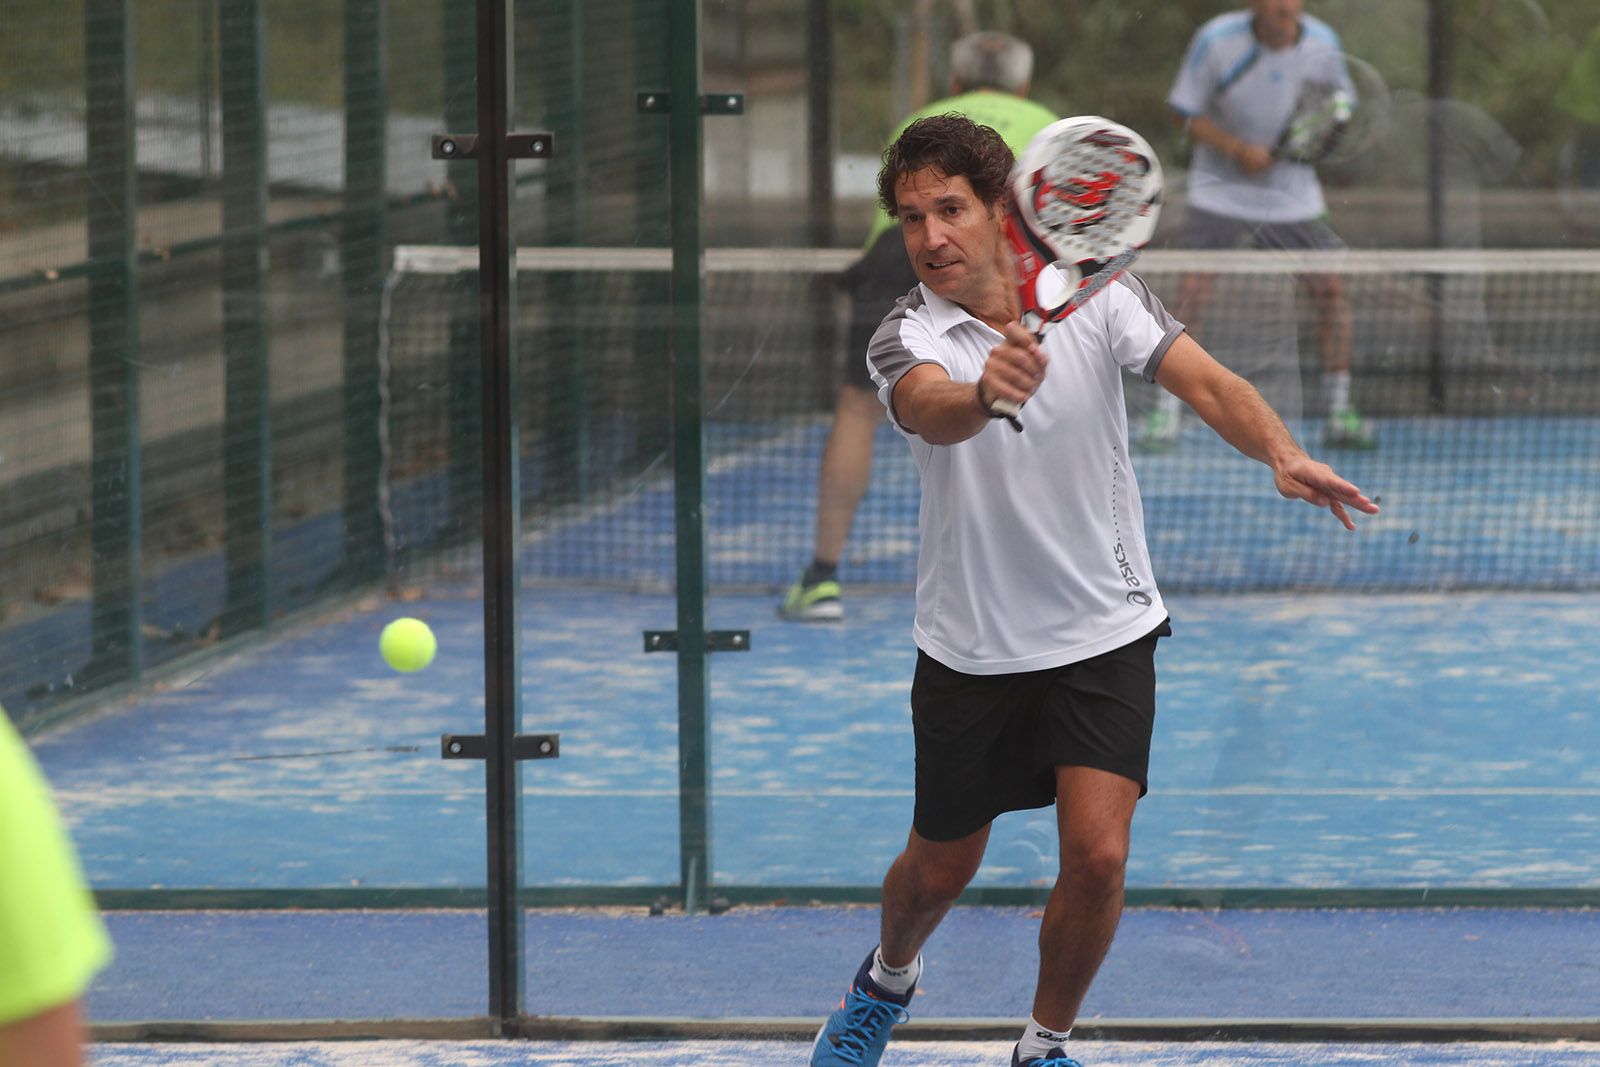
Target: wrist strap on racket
x=999 y=409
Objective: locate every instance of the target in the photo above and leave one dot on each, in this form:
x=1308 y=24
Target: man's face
x=952 y=237
x=1277 y=21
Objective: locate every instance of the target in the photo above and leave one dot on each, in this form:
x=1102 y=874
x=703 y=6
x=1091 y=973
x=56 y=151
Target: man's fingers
x=1017 y=334
x=1320 y=478
x=1348 y=494
x=1333 y=493
x=1017 y=366
x=1019 y=377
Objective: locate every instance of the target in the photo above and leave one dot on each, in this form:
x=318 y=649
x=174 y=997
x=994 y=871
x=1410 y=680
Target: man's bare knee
x=941 y=870
x=1096 y=869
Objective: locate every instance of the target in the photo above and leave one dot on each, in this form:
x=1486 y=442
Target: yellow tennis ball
x=407 y=645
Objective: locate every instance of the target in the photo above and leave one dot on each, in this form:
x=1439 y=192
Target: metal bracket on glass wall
x=450 y=146
x=526 y=746
x=710 y=103
x=716 y=640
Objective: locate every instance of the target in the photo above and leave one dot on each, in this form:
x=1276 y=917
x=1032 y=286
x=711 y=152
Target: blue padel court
x=1467 y=504
x=1430 y=725
x=1301 y=741
x=784 y=967
x=1427 y=730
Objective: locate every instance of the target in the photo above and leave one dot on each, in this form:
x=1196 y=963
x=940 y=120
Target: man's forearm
x=1205 y=131
x=1242 y=417
x=943 y=412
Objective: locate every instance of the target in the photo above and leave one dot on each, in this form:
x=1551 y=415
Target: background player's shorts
x=1202 y=229
x=874 y=282
x=990 y=743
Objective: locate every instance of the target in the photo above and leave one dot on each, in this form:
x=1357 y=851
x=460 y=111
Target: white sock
x=1336 y=387
x=1037 y=1040
x=895 y=979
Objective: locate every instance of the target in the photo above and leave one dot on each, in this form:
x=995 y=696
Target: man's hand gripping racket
x=1083 y=201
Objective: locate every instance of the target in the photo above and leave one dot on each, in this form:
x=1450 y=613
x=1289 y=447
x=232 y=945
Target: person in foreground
x=989 y=77
x=51 y=939
x=1037 y=614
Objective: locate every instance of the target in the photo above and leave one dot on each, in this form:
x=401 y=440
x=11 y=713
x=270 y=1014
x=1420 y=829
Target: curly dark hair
x=953 y=145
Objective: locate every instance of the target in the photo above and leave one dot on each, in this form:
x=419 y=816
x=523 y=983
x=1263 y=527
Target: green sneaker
x=812 y=603
x=1160 y=432
x=1348 y=430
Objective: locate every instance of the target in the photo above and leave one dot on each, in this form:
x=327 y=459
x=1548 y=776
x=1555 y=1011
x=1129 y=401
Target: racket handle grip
x=1007 y=410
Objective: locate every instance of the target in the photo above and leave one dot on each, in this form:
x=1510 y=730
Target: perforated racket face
x=1319 y=120
x=1344 y=110
x=1087 y=200
x=1085 y=195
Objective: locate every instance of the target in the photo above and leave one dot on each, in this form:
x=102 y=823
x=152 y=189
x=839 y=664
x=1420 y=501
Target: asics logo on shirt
x=1124 y=567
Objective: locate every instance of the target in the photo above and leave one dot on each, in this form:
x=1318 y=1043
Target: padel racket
x=1322 y=114
x=1342 y=110
x=1082 y=202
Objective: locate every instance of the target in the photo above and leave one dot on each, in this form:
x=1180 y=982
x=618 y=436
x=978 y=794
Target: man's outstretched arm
x=1237 y=412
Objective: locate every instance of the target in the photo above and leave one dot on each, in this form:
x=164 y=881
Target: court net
x=1479 y=371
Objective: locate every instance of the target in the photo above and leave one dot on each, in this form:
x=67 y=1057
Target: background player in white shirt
x=1037 y=615
x=1239 y=84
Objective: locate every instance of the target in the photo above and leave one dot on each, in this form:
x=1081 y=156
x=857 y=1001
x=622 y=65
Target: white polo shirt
x=1250 y=91
x=1033 y=551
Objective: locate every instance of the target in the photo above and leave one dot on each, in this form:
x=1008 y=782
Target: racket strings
x=1091 y=191
x=1320 y=116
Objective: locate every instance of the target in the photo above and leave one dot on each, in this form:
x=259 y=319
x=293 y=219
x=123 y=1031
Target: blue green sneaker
x=1056 y=1057
x=1160 y=432
x=818 y=602
x=855 y=1035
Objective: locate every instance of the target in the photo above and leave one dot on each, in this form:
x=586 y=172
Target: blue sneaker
x=1056 y=1057
x=857 y=1032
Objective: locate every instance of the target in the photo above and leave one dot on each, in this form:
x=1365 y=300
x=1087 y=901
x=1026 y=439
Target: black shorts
x=874 y=282
x=990 y=743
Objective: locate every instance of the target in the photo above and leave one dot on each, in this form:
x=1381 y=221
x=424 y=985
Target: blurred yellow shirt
x=51 y=939
x=1016 y=119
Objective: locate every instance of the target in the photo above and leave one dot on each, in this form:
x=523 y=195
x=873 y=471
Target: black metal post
x=116 y=487
x=564 y=427
x=652 y=228
x=819 y=119
x=689 y=453
x=247 y=433
x=1439 y=87
x=461 y=228
x=819 y=156
x=361 y=247
x=501 y=514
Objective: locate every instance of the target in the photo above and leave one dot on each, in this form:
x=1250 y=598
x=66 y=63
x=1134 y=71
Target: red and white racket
x=1083 y=201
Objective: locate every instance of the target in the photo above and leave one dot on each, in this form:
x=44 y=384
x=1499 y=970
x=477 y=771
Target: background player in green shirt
x=990 y=74
x=51 y=938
